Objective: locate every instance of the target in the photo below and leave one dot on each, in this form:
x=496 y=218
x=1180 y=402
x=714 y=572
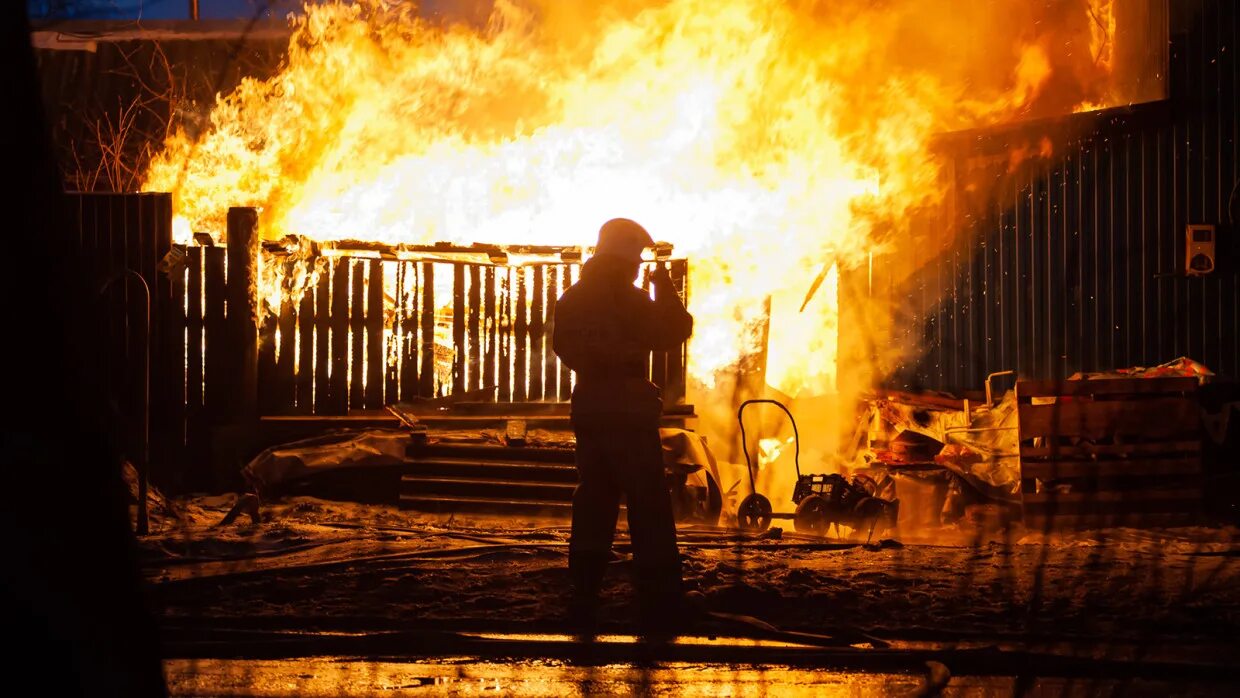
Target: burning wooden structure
x=355 y=327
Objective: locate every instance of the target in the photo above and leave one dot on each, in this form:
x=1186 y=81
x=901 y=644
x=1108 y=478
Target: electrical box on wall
x=1199 y=250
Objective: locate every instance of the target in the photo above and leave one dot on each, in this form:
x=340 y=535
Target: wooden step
x=444 y=503
x=488 y=452
x=525 y=490
x=492 y=470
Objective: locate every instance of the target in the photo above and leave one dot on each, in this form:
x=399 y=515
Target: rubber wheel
x=813 y=516
x=754 y=513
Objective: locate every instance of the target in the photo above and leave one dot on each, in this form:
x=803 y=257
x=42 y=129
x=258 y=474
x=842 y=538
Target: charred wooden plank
x=242 y=311
x=1155 y=418
x=407 y=321
x=537 y=309
x=167 y=342
x=490 y=328
x=395 y=343
x=474 y=330
x=374 y=337
x=339 y=381
x=1141 y=467
x=357 y=335
x=514 y=432
x=268 y=387
x=216 y=350
x=520 y=367
x=551 y=368
x=458 y=328
x=322 y=340
x=1088 y=451
x=305 y=351
x=566 y=375
x=195 y=417
x=286 y=361
x=426 y=376
x=505 y=333
x=1106 y=386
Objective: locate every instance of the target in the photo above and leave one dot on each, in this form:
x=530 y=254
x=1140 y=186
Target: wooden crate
x=1109 y=452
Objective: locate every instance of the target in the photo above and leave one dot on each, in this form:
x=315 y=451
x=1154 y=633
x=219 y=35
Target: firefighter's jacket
x=604 y=330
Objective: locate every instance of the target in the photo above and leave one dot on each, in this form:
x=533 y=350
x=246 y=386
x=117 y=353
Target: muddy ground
x=314 y=564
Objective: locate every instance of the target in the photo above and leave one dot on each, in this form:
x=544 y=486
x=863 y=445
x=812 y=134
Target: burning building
x=856 y=194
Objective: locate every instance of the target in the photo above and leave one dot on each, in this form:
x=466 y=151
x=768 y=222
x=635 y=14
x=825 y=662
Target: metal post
x=193 y=10
x=143 y=465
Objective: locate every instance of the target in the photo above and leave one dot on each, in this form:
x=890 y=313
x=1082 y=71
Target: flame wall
x=774 y=143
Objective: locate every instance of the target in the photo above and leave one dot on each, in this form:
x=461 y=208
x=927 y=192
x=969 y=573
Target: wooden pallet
x=1109 y=452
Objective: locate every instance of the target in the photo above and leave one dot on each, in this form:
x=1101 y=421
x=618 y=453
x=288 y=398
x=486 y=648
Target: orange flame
x=766 y=140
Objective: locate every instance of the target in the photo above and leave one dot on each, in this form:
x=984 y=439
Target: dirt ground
x=314 y=564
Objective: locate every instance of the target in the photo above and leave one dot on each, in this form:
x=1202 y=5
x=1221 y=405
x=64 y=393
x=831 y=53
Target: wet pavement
x=331 y=599
x=342 y=676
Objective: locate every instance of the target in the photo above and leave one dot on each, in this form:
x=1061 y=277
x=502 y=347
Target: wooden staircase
x=489 y=479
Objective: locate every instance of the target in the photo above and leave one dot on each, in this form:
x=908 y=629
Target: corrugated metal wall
x=1075 y=262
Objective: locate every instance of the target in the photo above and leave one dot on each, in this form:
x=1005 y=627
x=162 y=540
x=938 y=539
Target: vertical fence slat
x=474 y=339
x=242 y=321
x=458 y=328
x=537 y=308
x=566 y=375
x=215 y=345
x=357 y=335
x=505 y=329
x=118 y=317
x=322 y=339
x=339 y=393
x=395 y=341
x=426 y=376
x=551 y=368
x=408 y=302
x=136 y=342
x=286 y=386
x=167 y=342
x=490 y=329
x=305 y=351
x=171 y=384
x=520 y=371
x=374 y=336
x=268 y=378
x=195 y=425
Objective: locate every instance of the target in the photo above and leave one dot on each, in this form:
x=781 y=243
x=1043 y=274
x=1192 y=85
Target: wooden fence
x=365 y=331
x=352 y=327
x=1110 y=452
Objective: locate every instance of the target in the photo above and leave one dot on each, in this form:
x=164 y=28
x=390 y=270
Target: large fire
x=767 y=140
